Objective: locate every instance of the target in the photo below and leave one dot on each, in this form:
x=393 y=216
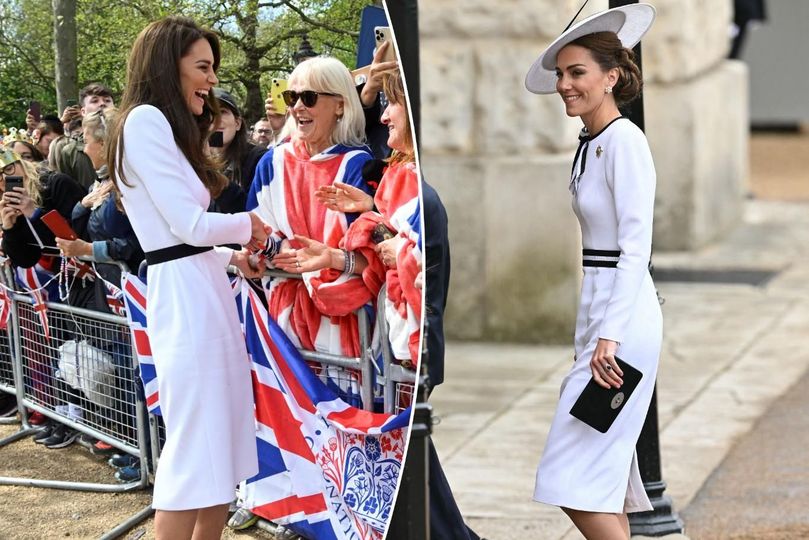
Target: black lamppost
x=304 y=52
x=411 y=516
x=662 y=520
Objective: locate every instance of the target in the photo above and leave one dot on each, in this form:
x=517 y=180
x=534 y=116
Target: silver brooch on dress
x=599 y=151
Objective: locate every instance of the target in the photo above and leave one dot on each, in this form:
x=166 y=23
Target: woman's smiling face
x=197 y=75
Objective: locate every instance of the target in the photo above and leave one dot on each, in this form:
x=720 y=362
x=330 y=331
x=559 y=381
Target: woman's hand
x=388 y=250
x=8 y=214
x=74 y=248
x=606 y=371
x=250 y=265
x=374 y=83
x=30 y=122
x=344 y=198
x=19 y=199
x=312 y=256
x=98 y=195
x=259 y=231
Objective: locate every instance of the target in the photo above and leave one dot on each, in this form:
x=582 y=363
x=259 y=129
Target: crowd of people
x=316 y=199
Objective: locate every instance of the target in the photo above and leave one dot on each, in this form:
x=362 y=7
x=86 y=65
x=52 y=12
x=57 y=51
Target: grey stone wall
x=500 y=156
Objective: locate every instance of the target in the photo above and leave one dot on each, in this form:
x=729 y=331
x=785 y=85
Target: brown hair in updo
x=608 y=52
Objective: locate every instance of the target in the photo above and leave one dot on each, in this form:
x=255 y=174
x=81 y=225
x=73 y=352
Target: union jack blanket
x=316 y=313
x=327 y=470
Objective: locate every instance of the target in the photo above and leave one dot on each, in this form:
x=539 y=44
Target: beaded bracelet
x=350 y=262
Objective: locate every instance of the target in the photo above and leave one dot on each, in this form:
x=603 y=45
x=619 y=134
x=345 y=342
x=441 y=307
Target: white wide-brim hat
x=629 y=22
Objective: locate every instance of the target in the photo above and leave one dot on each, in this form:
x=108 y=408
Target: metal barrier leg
x=125 y=526
x=366 y=359
x=23 y=433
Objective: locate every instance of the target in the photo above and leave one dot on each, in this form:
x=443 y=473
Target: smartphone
x=12 y=182
x=36 y=110
x=71 y=103
x=382 y=34
x=59 y=225
x=276 y=90
x=217 y=139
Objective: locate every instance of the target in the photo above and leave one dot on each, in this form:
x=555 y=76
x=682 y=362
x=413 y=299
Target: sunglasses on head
x=307 y=97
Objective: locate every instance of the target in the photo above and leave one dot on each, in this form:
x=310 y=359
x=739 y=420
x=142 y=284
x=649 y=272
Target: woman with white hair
x=327 y=126
x=327 y=146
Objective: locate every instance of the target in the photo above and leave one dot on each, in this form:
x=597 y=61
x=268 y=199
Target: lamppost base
x=660 y=521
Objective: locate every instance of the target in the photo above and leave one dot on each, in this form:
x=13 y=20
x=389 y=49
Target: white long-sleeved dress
x=582 y=468
x=199 y=353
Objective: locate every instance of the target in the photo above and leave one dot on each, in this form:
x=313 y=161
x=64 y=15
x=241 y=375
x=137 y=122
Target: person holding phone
x=594 y=476
x=25 y=238
x=29 y=242
x=373 y=99
x=157 y=159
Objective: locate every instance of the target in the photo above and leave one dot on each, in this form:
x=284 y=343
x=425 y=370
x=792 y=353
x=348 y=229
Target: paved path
x=761 y=490
x=729 y=352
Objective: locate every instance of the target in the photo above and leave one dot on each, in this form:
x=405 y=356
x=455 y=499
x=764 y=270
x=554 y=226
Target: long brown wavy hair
x=153 y=78
x=393 y=88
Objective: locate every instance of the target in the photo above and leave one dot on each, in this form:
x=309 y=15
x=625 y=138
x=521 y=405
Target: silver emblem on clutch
x=617 y=400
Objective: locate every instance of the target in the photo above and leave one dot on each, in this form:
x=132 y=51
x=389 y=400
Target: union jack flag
x=5 y=308
x=134 y=295
x=335 y=476
x=327 y=470
x=115 y=298
x=43 y=288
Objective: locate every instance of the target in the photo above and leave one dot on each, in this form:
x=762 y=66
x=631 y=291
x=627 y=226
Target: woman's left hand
x=74 y=248
x=388 y=250
x=606 y=371
x=312 y=256
x=249 y=265
x=19 y=199
x=344 y=198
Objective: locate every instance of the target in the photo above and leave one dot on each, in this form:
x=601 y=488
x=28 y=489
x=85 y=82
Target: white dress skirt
x=205 y=388
x=203 y=370
x=582 y=468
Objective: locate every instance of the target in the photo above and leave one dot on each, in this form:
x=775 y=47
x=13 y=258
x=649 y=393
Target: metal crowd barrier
x=87 y=359
x=398 y=381
x=6 y=358
x=36 y=369
x=91 y=350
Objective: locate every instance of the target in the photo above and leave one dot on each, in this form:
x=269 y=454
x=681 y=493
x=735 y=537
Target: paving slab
x=729 y=353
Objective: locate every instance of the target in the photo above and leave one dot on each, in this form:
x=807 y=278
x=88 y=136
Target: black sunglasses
x=307 y=97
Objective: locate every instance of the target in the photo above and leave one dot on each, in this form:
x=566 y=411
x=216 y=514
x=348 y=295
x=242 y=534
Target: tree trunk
x=67 y=72
x=254 y=102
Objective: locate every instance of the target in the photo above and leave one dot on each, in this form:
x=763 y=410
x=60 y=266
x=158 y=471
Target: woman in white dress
x=157 y=159
x=594 y=476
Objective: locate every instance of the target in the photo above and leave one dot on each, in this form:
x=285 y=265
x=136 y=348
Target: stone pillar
x=697 y=122
x=500 y=156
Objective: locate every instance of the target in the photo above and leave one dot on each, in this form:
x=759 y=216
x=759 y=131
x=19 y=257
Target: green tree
x=258 y=39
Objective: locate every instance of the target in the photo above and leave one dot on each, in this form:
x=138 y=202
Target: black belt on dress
x=172 y=253
x=601 y=258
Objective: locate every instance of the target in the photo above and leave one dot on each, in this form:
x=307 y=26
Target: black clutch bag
x=598 y=407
